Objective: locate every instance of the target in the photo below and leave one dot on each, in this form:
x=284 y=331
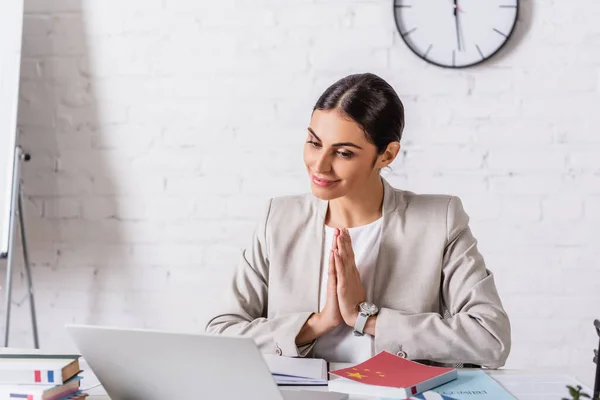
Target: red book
x=387 y=375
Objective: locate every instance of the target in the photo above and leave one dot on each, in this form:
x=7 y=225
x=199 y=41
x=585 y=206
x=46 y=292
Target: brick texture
x=158 y=130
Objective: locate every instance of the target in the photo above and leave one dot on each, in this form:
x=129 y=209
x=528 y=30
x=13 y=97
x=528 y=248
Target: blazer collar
x=389 y=200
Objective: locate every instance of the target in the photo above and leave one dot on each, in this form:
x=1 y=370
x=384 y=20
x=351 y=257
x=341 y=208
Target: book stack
x=40 y=376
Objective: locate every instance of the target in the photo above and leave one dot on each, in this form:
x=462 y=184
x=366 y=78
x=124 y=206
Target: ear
x=389 y=154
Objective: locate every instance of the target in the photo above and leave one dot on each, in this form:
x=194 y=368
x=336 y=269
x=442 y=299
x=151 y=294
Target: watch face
x=369 y=308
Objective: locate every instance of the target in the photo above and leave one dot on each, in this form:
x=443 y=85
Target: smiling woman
x=358 y=266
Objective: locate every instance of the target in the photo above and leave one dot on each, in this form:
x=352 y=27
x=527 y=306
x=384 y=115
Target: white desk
x=549 y=384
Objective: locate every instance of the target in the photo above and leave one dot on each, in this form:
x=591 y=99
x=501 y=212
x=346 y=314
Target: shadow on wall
x=522 y=27
x=70 y=207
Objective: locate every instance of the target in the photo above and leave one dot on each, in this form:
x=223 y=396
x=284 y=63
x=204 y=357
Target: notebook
x=289 y=371
x=387 y=375
x=474 y=385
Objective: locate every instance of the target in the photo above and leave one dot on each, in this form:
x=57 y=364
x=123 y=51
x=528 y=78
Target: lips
x=323 y=182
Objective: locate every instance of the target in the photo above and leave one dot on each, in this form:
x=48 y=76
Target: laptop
x=146 y=364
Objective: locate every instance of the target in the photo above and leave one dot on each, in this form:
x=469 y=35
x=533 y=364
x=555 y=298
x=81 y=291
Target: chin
x=325 y=194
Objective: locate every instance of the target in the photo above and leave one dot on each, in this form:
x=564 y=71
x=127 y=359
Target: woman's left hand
x=351 y=291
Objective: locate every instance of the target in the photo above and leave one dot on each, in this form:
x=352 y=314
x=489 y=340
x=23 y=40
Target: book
x=474 y=385
x=14 y=352
x=41 y=391
x=80 y=396
x=390 y=376
x=32 y=370
x=297 y=371
x=76 y=396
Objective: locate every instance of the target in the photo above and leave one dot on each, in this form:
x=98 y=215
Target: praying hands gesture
x=350 y=290
x=345 y=291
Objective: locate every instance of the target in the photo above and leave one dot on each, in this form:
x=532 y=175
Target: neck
x=356 y=209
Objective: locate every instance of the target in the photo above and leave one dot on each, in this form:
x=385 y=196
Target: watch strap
x=359 y=325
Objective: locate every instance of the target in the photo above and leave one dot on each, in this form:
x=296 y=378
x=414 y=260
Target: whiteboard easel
x=11 y=155
x=16 y=207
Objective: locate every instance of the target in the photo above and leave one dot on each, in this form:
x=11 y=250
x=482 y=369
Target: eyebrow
x=347 y=144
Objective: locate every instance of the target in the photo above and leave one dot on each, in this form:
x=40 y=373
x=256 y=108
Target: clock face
x=455 y=33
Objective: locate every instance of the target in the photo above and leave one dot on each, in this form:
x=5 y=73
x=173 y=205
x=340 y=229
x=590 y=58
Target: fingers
x=344 y=245
x=336 y=234
x=339 y=267
x=331 y=265
x=348 y=251
x=340 y=247
x=331 y=269
x=348 y=241
x=334 y=248
x=345 y=235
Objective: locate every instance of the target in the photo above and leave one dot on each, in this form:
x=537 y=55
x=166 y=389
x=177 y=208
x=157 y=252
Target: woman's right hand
x=331 y=316
x=321 y=323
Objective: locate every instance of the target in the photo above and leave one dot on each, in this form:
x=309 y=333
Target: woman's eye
x=344 y=154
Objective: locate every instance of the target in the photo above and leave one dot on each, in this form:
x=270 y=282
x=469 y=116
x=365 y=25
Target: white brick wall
x=159 y=128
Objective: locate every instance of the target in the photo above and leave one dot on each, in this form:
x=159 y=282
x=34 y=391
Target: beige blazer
x=438 y=301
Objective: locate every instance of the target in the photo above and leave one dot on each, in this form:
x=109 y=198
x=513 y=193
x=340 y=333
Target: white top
x=340 y=345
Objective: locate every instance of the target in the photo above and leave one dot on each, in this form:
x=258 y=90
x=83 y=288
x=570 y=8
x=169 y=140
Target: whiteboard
x=11 y=28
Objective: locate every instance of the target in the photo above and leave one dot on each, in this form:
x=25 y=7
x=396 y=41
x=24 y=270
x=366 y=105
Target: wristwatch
x=365 y=310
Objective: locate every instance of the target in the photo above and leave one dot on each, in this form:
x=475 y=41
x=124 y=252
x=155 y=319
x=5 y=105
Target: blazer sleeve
x=477 y=330
x=243 y=311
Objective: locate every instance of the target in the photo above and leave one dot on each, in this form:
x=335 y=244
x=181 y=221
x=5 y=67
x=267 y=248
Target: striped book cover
x=37 y=371
x=43 y=391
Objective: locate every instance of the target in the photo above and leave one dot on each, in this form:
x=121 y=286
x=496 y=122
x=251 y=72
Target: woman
x=357 y=266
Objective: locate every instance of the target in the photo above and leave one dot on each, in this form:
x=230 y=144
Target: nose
x=322 y=164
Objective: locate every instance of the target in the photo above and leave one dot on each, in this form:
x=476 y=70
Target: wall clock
x=455 y=33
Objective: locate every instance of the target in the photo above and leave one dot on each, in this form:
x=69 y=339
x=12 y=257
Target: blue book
x=474 y=385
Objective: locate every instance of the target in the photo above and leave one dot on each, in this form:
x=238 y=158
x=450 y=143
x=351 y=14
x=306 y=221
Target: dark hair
x=370 y=102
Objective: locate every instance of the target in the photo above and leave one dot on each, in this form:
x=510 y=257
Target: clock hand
x=457 y=24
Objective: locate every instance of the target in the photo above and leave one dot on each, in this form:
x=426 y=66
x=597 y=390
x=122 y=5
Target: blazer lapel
x=315 y=240
x=390 y=239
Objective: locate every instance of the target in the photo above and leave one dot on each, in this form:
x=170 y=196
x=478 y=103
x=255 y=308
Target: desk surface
x=540 y=384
